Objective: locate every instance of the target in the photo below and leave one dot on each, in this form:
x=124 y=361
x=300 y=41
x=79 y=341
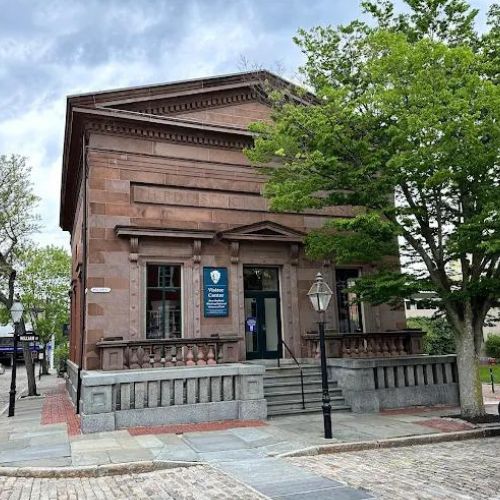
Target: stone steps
x=282 y=390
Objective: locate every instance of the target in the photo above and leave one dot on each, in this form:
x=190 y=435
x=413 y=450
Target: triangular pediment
x=184 y=96
x=263 y=231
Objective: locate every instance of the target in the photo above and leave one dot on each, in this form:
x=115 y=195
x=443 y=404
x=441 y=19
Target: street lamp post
x=16 y=312
x=320 y=295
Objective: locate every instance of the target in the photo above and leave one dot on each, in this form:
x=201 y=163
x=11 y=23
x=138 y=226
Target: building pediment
x=206 y=112
x=263 y=231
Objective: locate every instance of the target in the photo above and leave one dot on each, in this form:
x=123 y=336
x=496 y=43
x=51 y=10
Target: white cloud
x=51 y=49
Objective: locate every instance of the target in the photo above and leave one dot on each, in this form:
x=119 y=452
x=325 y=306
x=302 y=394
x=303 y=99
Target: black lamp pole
x=326 y=407
x=12 y=393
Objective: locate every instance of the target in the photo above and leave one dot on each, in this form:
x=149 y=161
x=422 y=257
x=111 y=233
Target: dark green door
x=262 y=312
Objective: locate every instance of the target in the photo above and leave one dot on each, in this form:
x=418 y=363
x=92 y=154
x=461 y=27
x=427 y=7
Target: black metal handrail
x=300 y=368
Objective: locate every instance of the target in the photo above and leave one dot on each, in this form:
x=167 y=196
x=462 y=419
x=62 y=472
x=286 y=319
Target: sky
x=50 y=49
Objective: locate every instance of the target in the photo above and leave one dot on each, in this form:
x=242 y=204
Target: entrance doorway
x=262 y=312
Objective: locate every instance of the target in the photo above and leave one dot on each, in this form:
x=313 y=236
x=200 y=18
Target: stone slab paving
x=237 y=453
x=455 y=470
x=26 y=441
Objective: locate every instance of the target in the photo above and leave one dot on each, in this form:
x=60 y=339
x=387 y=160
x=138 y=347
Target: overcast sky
x=49 y=49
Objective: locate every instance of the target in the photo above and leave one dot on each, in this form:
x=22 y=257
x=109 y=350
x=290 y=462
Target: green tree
x=44 y=282
x=404 y=128
x=18 y=221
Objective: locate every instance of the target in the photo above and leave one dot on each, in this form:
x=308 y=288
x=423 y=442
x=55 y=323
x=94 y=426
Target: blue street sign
x=215 y=292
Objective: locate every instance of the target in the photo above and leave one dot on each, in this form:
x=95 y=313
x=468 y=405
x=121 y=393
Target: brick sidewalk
x=57 y=409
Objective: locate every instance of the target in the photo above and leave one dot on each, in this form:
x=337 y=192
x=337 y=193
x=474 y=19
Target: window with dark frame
x=350 y=313
x=163 y=301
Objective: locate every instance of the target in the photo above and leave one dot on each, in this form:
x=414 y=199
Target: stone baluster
x=220 y=354
x=168 y=356
x=201 y=355
x=134 y=362
x=317 y=354
x=385 y=348
x=174 y=355
x=356 y=347
x=126 y=357
x=180 y=356
x=190 y=356
x=211 y=356
x=157 y=352
x=140 y=356
x=401 y=346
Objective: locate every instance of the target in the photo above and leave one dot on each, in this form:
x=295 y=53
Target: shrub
x=61 y=354
x=492 y=346
x=439 y=337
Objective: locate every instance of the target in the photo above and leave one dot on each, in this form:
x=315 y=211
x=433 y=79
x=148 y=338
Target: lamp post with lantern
x=320 y=295
x=16 y=312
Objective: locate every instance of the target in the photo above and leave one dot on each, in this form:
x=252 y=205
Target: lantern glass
x=320 y=294
x=16 y=311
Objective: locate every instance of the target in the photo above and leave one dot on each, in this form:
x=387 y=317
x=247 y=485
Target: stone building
x=177 y=259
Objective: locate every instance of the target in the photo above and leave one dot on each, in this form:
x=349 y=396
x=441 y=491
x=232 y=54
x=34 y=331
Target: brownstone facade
x=155 y=189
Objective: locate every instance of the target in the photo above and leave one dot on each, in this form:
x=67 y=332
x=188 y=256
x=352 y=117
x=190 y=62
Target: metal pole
x=12 y=393
x=326 y=407
x=491 y=378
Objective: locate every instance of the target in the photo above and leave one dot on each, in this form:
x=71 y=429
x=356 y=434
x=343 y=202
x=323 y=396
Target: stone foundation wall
x=72 y=380
x=371 y=385
x=158 y=396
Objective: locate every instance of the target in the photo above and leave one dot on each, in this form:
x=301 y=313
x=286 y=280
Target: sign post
x=215 y=292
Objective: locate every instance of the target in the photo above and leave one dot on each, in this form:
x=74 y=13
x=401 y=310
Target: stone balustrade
x=161 y=353
x=366 y=345
x=371 y=385
x=190 y=394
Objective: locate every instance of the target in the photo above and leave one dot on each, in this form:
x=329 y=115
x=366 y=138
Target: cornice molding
x=197 y=103
x=150 y=232
x=197 y=137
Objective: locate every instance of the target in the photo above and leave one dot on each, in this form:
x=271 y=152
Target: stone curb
x=443 y=437
x=95 y=470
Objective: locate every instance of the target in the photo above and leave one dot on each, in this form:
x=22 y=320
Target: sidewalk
x=45 y=433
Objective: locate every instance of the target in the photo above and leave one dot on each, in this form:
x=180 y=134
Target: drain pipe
x=83 y=286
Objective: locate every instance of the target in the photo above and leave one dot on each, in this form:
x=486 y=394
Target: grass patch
x=484 y=373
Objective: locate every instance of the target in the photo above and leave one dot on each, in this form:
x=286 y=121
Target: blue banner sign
x=215 y=292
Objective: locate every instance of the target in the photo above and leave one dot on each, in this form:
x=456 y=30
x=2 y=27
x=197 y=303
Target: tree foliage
x=18 y=219
x=439 y=337
x=492 y=346
x=44 y=282
x=405 y=130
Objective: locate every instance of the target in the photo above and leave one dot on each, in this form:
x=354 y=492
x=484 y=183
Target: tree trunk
x=45 y=365
x=30 y=371
x=28 y=363
x=471 y=395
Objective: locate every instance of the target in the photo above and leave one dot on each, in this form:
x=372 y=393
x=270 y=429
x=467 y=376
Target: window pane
x=350 y=319
x=260 y=278
x=163 y=302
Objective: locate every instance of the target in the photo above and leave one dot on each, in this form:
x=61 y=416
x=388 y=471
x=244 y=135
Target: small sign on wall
x=215 y=292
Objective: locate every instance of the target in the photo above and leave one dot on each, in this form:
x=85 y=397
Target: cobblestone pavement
x=467 y=469
x=21 y=383
x=200 y=482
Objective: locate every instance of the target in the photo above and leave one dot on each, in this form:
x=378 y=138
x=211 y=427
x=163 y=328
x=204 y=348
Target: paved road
x=458 y=470
x=467 y=469
x=5 y=383
x=200 y=482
